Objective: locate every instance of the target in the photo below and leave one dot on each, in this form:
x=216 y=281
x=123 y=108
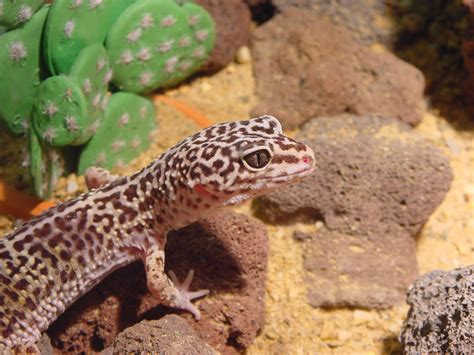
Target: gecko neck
x=164 y=200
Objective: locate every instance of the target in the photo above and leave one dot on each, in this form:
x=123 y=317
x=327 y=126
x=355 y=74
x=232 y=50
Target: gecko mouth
x=292 y=176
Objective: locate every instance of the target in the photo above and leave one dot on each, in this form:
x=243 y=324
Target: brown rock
x=253 y=3
x=468 y=54
x=233 y=21
x=305 y=67
x=229 y=254
x=168 y=335
x=369 y=271
x=376 y=184
x=367 y=20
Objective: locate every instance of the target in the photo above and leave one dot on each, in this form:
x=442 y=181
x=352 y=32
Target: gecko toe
x=187 y=296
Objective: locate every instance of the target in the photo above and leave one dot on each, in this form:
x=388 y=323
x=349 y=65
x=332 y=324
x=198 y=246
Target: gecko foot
x=187 y=296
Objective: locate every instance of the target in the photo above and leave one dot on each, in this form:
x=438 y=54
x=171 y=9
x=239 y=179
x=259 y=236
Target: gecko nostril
x=307 y=159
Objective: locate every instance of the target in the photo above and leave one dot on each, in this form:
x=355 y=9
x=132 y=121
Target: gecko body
x=52 y=260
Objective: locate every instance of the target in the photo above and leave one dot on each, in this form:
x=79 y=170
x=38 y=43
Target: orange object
x=20 y=204
x=187 y=110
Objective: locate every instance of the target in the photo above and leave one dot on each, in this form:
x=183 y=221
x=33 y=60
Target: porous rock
x=253 y=3
x=367 y=20
x=441 y=314
x=233 y=22
x=376 y=183
x=468 y=54
x=368 y=271
x=168 y=335
x=229 y=254
x=305 y=66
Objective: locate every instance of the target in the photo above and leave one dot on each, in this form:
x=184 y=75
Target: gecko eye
x=257 y=159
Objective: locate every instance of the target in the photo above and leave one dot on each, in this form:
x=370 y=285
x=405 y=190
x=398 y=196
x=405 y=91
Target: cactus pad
x=60 y=112
x=75 y=24
x=20 y=72
x=14 y=13
x=46 y=166
x=157 y=43
x=123 y=134
x=92 y=71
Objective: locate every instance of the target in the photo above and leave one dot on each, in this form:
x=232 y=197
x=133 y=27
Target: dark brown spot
x=130 y=193
x=81 y=260
x=5 y=255
x=65 y=255
x=21 y=285
x=29 y=304
x=89 y=239
x=62 y=225
x=63 y=276
x=80 y=244
x=12 y=295
x=4 y=280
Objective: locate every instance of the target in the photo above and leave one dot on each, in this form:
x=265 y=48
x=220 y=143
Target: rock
x=229 y=254
x=44 y=345
x=243 y=55
x=368 y=21
x=305 y=66
x=370 y=271
x=370 y=171
x=253 y=3
x=468 y=54
x=376 y=183
x=441 y=313
x=233 y=21
x=168 y=335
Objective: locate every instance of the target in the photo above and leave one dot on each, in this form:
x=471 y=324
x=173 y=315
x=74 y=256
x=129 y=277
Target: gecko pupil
x=258 y=159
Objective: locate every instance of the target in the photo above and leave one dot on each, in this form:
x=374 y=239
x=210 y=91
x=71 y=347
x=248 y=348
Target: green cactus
x=46 y=166
x=60 y=115
x=157 y=43
x=68 y=109
x=20 y=72
x=92 y=71
x=14 y=13
x=75 y=24
x=123 y=134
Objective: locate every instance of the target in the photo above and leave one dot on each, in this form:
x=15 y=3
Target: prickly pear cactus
x=14 y=13
x=60 y=115
x=20 y=72
x=68 y=109
x=46 y=166
x=123 y=134
x=75 y=24
x=157 y=43
x=92 y=71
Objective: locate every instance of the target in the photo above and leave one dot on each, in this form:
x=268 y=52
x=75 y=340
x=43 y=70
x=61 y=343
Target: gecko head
x=232 y=162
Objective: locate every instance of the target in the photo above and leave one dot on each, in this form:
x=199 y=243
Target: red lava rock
x=361 y=18
x=229 y=254
x=376 y=184
x=468 y=54
x=168 y=335
x=305 y=66
x=233 y=21
x=253 y=3
x=369 y=271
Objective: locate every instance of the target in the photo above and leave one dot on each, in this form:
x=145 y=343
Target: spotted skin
x=52 y=260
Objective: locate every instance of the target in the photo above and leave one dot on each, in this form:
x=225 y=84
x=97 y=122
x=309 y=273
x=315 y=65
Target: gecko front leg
x=170 y=292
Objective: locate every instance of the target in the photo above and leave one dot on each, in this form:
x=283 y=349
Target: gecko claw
x=186 y=296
